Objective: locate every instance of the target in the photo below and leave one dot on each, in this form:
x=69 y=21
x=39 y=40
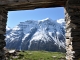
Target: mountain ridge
x=45 y=34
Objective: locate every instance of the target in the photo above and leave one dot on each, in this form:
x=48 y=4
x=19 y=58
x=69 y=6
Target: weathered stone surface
x=76 y=39
x=68 y=42
x=73 y=29
x=2 y=32
x=31 y=4
x=3 y=19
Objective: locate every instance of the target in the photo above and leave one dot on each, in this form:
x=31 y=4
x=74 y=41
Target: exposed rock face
x=37 y=35
x=73 y=29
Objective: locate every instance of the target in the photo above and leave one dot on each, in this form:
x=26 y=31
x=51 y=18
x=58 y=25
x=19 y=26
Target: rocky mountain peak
x=45 y=34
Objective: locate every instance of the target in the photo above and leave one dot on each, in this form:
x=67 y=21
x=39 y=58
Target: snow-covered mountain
x=46 y=34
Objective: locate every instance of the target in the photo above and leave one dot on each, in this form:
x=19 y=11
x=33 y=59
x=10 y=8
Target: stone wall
x=72 y=18
x=3 y=20
x=13 y=5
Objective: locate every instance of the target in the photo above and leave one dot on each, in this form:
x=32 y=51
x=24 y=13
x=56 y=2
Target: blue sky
x=14 y=17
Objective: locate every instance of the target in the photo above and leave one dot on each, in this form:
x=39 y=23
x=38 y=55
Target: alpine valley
x=46 y=34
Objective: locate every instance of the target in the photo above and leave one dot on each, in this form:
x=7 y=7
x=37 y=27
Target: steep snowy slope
x=46 y=34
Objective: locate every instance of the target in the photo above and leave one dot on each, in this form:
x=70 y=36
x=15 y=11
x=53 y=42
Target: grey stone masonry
x=3 y=20
x=72 y=17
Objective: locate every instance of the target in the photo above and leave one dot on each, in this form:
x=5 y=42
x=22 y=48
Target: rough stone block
x=68 y=42
x=2 y=32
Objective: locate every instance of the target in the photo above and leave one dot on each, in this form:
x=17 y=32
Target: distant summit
x=45 y=34
x=8 y=28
